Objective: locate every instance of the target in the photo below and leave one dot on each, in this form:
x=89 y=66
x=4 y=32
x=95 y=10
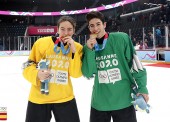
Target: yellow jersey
x=61 y=66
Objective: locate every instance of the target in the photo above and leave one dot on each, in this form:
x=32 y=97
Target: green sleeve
x=140 y=76
x=88 y=62
x=141 y=80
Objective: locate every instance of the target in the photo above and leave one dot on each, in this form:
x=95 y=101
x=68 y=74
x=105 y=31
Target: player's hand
x=91 y=42
x=70 y=42
x=43 y=74
x=145 y=96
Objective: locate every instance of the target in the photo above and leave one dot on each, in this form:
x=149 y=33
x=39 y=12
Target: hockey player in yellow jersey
x=64 y=56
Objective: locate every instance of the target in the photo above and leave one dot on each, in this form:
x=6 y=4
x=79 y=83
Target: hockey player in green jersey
x=111 y=58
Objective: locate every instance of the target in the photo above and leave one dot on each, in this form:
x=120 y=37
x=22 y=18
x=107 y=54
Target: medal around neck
x=62 y=49
x=96 y=46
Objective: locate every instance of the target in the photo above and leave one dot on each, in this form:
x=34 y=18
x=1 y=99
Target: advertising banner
x=42 y=30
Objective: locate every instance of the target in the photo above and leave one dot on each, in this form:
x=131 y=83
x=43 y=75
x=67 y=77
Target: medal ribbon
x=65 y=52
x=96 y=46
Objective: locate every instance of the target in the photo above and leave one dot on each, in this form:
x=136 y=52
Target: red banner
x=42 y=30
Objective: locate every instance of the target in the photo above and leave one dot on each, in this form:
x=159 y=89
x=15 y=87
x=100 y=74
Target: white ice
x=14 y=91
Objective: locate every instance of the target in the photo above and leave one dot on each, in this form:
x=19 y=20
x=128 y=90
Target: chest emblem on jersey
x=109 y=76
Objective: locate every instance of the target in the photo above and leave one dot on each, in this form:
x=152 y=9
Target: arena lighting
x=71 y=12
x=152 y=4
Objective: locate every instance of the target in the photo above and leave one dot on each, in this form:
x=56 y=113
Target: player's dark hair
x=95 y=14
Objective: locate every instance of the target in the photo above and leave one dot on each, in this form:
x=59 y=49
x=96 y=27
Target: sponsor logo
x=48 y=30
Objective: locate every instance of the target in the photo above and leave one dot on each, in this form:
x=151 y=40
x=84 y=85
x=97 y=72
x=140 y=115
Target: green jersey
x=114 y=74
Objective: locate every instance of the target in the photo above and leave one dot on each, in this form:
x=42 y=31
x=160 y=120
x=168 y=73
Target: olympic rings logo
x=104 y=76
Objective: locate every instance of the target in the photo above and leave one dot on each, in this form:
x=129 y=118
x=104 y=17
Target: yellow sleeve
x=30 y=72
x=76 y=62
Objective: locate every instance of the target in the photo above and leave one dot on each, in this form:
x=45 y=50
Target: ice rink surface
x=14 y=91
